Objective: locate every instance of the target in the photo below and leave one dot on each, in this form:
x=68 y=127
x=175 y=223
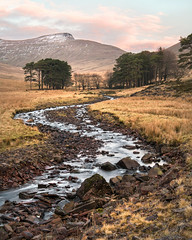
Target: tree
x=30 y=74
x=185 y=58
x=52 y=73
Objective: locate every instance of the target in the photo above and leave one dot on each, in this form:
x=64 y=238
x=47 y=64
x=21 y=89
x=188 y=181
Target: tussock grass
x=163 y=120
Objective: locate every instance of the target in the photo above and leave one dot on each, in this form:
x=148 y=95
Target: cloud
x=123 y=28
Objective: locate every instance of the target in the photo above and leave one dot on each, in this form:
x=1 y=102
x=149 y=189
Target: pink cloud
x=118 y=27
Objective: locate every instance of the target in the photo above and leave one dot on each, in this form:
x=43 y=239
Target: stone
x=146 y=189
x=3 y=234
x=42 y=185
x=128 y=163
x=128 y=178
x=107 y=166
x=115 y=180
x=62 y=231
x=142 y=177
x=95 y=186
x=26 y=195
x=8 y=228
x=169 y=176
x=155 y=172
x=124 y=189
x=148 y=158
x=38 y=237
x=88 y=205
x=27 y=235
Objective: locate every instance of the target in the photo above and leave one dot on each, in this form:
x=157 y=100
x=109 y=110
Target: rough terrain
x=152 y=204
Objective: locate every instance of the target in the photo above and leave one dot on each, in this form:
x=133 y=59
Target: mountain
x=175 y=49
x=82 y=55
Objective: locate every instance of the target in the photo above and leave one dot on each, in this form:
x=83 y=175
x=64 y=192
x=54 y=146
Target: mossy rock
x=95 y=186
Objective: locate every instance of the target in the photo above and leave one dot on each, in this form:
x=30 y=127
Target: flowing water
x=113 y=144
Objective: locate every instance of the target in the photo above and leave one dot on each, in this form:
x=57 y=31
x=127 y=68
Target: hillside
x=82 y=55
x=175 y=49
x=11 y=78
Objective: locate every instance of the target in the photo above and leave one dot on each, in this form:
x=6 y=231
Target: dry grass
x=163 y=120
x=14 y=133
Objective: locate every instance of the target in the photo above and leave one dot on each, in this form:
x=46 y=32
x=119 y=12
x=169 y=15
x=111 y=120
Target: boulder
x=128 y=163
x=95 y=186
x=107 y=166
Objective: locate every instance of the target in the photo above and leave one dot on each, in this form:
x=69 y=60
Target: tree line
x=49 y=73
x=130 y=70
x=139 y=69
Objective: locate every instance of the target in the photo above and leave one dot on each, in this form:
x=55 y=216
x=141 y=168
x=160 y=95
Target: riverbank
x=154 y=204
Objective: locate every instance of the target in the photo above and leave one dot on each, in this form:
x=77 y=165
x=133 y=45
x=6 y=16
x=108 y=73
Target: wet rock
x=141 y=177
x=95 y=186
x=42 y=185
x=128 y=163
x=107 y=166
x=130 y=147
x=26 y=195
x=148 y=158
x=143 y=169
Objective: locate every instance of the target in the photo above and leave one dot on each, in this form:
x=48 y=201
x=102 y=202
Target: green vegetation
x=52 y=73
x=185 y=58
x=135 y=70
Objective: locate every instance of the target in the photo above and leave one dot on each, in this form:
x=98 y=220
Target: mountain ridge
x=82 y=55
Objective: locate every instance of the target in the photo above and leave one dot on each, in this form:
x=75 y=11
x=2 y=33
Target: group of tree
x=48 y=73
x=185 y=58
x=139 y=69
x=87 y=81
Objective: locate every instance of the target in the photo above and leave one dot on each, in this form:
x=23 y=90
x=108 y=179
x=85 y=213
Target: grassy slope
x=166 y=120
x=160 y=118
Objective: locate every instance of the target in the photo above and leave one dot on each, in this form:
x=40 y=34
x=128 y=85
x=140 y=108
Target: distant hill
x=175 y=49
x=82 y=55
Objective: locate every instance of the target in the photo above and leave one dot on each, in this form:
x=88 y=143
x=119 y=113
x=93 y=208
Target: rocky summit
x=82 y=55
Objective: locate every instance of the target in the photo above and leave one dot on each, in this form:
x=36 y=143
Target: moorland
x=159 y=205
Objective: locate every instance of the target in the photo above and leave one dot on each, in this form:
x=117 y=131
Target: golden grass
x=163 y=120
x=13 y=132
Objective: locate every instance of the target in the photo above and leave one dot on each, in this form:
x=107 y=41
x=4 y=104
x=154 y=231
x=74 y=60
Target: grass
x=13 y=133
x=163 y=120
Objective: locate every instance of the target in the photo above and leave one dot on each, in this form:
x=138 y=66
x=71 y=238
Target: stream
x=113 y=149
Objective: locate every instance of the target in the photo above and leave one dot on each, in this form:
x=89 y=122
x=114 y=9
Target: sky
x=132 y=25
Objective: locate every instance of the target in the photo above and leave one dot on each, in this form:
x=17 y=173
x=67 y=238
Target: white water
x=113 y=143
